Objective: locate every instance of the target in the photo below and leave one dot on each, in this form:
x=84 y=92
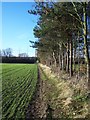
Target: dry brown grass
x=67 y=96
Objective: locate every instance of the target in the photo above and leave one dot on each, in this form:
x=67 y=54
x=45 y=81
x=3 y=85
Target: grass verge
x=67 y=97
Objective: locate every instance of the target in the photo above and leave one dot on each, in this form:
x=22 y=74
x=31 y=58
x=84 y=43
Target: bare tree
x=23 y=55
x=0 y=53
x=7 y=52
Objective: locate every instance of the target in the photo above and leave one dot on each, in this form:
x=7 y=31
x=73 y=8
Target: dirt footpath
x=37 y=107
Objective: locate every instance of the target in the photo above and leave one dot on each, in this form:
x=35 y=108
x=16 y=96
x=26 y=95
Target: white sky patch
x=27 y=50
x=23 y=36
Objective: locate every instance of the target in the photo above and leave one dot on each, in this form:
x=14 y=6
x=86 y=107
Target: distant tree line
x=6 y=56
x=8 y=52
x=63 y=32
x=18 y=60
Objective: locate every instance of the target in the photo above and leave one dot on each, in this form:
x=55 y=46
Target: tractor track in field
x=38 y=105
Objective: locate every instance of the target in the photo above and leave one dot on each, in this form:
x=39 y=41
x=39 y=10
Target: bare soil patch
x=37 y=107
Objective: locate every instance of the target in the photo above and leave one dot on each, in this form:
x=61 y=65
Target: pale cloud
x=23 y=36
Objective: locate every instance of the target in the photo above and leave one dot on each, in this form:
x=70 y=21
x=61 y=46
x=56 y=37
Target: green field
x=18 y=84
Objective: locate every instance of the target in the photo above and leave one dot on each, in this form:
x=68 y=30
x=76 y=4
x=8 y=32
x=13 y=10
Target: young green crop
x=18 y=85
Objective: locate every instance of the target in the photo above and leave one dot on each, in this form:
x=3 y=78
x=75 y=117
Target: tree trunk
x=71 y=57
x=62 y=61
x=78 y=61
x=55 y=63
x=78 y=56
x=74 y=60
x=59 y=58
x=85 y=44
x=67 y=68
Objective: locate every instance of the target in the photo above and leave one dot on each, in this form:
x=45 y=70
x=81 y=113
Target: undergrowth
x=67 y=97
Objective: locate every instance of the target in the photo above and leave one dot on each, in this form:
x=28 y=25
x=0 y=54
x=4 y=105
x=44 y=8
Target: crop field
x=18 y=84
